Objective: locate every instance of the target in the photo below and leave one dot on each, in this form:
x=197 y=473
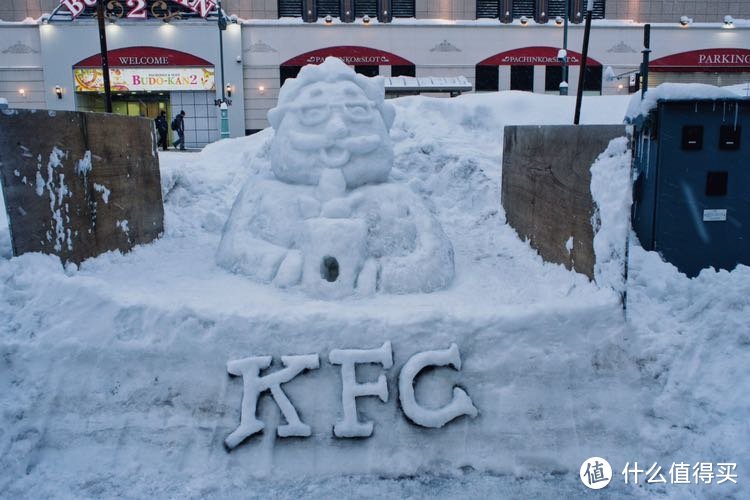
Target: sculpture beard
x=344 y=131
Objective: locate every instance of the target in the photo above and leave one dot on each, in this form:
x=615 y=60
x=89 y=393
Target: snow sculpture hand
x=329 y=220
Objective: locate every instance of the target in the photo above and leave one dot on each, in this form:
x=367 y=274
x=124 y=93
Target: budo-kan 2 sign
x=349 y=426
x=138 y=9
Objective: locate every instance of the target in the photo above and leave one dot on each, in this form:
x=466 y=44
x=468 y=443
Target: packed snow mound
x=328 y=219
x=114 y=375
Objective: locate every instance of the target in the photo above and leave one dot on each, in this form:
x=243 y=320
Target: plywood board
x=78 y=184
x=546 y=188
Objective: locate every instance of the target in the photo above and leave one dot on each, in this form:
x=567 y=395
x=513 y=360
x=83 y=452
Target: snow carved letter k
x=254 y=385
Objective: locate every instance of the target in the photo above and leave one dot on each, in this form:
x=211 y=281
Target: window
x=729 y=137
x=522 y=78
x=487 y=9
x=402 y=8
x=290 y=8
x=409 y=70
x=329 y=7
x=369 y=7
x=532 y=9
x=592 y=82
x=524 y=8
x=552 y=78
x=288 y=72
x=367 y=70
x=487 y=78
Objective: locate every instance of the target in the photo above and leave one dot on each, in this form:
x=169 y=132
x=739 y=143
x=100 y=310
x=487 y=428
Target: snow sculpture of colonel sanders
x=329 y=220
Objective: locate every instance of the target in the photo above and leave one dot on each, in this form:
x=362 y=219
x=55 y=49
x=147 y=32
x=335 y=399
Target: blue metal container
x=692 y=190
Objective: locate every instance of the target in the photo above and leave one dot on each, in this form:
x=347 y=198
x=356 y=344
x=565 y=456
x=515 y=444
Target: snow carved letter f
x=350 y=426
x=254 y=385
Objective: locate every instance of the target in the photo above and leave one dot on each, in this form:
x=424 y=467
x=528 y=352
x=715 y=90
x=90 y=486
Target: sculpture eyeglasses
x=315 y=114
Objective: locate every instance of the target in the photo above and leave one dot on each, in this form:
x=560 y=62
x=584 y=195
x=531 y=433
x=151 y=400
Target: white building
x=49 y=62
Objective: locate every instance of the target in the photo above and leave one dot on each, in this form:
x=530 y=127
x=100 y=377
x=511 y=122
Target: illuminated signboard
x=145 y=79
x=139 y=9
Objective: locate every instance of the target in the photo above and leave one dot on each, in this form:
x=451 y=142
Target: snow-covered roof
x=395 y=84
x=677 y=92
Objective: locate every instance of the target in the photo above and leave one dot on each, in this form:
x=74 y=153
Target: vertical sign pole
x=105 y=56
x=564 y=88
x=584 y=57
x=223 y=107
x=646 y=51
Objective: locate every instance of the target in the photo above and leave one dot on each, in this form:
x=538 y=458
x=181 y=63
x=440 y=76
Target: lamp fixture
x=328 y=19
x=261 y=89
x=524 y=20
x=366 y=19
x=228 y=88
x=558 y=20
x=22 y=91
x=58 y=91
x=685 y=20
x=728 y=22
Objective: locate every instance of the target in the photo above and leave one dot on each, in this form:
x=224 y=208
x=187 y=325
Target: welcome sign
x=145 y=79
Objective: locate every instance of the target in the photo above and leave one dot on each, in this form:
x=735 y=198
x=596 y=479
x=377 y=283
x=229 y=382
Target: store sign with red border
x=144 y=56
x=139 y=9
x=705 y=60
x=535 y=56
x=350 y=54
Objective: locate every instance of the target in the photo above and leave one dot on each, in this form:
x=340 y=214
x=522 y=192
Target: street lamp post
x=584 y=59
x=105 y=56
x=564 y=82
x=223 y=103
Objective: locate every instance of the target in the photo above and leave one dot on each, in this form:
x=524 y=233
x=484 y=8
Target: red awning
x=535 y=56
x=704 y=60
x=144 y=57
x=350 y=54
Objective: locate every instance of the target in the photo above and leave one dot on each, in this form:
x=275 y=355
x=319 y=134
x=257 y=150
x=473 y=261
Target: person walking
x=162 y=129
x=178 y=125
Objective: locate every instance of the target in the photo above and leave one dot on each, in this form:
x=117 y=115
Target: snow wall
x=155 y=384
x=546 y=190
x=91 y=186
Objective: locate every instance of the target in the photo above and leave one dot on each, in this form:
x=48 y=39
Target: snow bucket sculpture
x=329 y=220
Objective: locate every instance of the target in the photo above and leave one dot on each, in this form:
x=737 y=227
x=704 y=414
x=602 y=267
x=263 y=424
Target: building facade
x=167 y=55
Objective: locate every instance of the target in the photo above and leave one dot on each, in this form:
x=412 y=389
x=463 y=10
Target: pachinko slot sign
x=145 y=79
x=140 y=9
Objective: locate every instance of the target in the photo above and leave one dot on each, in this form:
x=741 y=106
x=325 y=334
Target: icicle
x=724 y=113
x=736 y=114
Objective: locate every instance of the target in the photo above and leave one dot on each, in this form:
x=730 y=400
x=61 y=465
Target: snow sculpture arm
x=254 y=385
x=429 y=266
x=261 y=232
x=350 y=426
x=460 y=404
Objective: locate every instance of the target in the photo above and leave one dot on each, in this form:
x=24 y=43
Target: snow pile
x=119 y=376
x=611 y=190
x=675 y=92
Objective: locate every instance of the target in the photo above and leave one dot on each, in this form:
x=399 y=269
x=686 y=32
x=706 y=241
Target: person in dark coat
x=178 y=125
x=162 y=128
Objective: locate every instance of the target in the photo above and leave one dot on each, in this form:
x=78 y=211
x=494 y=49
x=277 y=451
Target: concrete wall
x=21 y=67
x=546 y=190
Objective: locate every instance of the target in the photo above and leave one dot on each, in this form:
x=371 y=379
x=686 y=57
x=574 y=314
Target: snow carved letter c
x=350 y=426
x=254 y=385
x=460 y=404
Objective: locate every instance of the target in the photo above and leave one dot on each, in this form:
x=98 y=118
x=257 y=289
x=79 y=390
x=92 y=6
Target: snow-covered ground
x=114 y=381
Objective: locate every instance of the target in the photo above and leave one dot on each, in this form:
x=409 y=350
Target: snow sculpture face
x=331 y=118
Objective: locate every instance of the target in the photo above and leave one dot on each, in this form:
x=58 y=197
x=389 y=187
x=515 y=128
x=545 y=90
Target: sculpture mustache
x=360 y=144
